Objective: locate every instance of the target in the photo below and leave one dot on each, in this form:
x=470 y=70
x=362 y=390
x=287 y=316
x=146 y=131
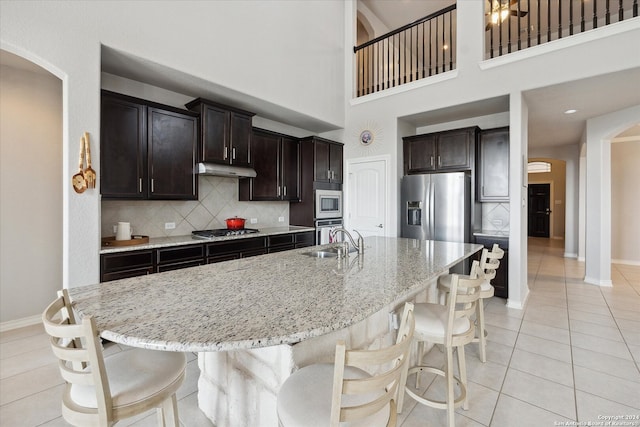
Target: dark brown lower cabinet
x=121 y=265
x=501 y=281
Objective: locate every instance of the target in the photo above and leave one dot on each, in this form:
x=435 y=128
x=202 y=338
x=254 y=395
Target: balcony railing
x=421 y=49
x=525 y=23
x=427 y=46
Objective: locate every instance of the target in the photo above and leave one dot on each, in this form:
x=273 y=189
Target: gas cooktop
x=221 y=232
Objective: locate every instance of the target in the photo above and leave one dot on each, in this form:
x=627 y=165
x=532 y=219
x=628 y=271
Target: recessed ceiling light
x=570 y=111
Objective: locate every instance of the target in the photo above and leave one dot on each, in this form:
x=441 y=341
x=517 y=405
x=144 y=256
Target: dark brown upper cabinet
x=493 y=165
x=147 y=150
x=225 y=133
x=446 y=151
x=327 y=160
x=276 y=160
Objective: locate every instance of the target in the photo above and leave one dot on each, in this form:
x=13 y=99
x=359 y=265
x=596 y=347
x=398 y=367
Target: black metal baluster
x=635 y=8
x=411 y=55
x=519 y=26
x=436 y=49
x=399 y=75
x=595 y=14
x=444 y=41
x=607 y=15
x=582 y=23
x=571 y=18
x=451 y=40
x=499 y=37
x=539 y=35
x=620 y=11
x=529 y=23
x=423 y=50
x=430 y=45
x=548 y=20
x=388 y=64
x=508 y=33
x=559 y=19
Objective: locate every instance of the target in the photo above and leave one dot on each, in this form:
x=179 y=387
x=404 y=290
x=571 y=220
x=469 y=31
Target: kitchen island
x=254 y=320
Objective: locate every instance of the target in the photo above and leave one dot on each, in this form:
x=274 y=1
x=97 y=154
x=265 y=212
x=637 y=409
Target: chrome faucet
x=359 y=247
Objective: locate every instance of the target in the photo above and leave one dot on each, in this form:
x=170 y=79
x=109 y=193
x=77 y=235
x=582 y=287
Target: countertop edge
x=165 y=242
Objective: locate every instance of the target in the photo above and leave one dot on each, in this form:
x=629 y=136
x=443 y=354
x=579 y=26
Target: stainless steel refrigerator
x=436 y=207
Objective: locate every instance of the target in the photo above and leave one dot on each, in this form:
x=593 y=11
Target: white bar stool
x=489 y=263
x=451 y=326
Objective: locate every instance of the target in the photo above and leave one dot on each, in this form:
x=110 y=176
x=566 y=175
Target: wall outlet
x=169 y=225
x=280 y=219
x=115 y=228
x=497 y=222
x=253 y=220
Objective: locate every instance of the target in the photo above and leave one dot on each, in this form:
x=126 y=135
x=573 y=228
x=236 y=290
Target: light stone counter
x=164 y=242
x=280 y=298
x=255 y=320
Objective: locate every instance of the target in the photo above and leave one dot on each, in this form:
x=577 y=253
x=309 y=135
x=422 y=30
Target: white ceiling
x=546 y=105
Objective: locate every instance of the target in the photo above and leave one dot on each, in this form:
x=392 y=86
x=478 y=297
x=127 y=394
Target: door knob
x=379 y=226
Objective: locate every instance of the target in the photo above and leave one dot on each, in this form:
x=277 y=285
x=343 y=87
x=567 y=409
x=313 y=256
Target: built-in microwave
x=328 y=204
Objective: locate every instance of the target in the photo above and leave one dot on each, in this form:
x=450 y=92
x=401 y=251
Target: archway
x=31 y=179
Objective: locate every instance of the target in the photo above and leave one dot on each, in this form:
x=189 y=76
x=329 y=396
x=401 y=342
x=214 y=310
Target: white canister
x=123 y=232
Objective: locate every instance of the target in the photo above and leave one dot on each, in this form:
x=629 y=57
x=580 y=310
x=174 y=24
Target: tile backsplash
x=495 y=217
x=217 y=201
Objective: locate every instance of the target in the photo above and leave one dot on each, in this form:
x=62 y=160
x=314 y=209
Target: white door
x=367 y=196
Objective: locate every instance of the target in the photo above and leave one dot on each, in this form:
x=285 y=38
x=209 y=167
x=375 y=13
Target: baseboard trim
x=603 y=283
x=518 y=305
x=581 y=259
x=625 y=262
x=20 y=323
x=571 y=255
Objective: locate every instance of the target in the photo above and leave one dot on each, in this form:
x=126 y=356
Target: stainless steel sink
x=327 y=253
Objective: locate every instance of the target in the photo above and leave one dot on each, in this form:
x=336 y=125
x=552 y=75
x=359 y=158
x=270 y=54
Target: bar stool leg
x=482 y=339
x=462 y=369
x=451 y=410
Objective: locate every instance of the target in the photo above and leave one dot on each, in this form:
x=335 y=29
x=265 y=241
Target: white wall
x=625 y=202
x=31 y=183
x=476 y=80
x=270 y=50
x=600 y=131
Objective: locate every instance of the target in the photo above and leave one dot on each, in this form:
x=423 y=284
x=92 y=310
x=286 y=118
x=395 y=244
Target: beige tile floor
x=571 y=355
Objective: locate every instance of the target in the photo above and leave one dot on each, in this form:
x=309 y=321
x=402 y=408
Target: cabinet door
x=215 y=135
x=264 y=150
x=290 y=169
x=454 y=150
x=493 y=172
x=123 y=151
x=321 y=156
x=172 y=143
x=240 y=137
x=335 y=162
x=419 y=154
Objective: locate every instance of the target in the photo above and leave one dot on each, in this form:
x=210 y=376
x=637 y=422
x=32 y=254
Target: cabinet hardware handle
x=226 y=153
x=483 y=190
x=328 y=174
x=278 y=191
x=439 y=161
x=140 y=184
x=284 y=191
x=233 y=153
x=379 y=226
x=152 y=180
x=431 y=160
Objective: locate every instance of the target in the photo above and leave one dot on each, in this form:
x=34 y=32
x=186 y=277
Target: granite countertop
x=162 y=242
x=279 y=298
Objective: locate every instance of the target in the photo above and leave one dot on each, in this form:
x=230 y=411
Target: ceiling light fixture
x=570 y=111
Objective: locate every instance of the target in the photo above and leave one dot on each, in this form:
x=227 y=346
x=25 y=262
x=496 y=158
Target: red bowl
x=235 y=223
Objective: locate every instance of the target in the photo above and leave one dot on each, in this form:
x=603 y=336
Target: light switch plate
x=169 y=225
x=280 y=219
x=254 y=220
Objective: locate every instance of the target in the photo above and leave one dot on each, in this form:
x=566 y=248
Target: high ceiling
x=546 y=104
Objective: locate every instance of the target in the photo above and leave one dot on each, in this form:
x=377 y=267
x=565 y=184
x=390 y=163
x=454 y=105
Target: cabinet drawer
x=179 y=265
x=241 y=245
x=308 y=238
x=126 y=260
x=184 y=253
x=281 y=239
x=124 y=274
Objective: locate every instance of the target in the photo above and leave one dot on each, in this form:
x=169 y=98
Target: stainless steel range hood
x=225 y=170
